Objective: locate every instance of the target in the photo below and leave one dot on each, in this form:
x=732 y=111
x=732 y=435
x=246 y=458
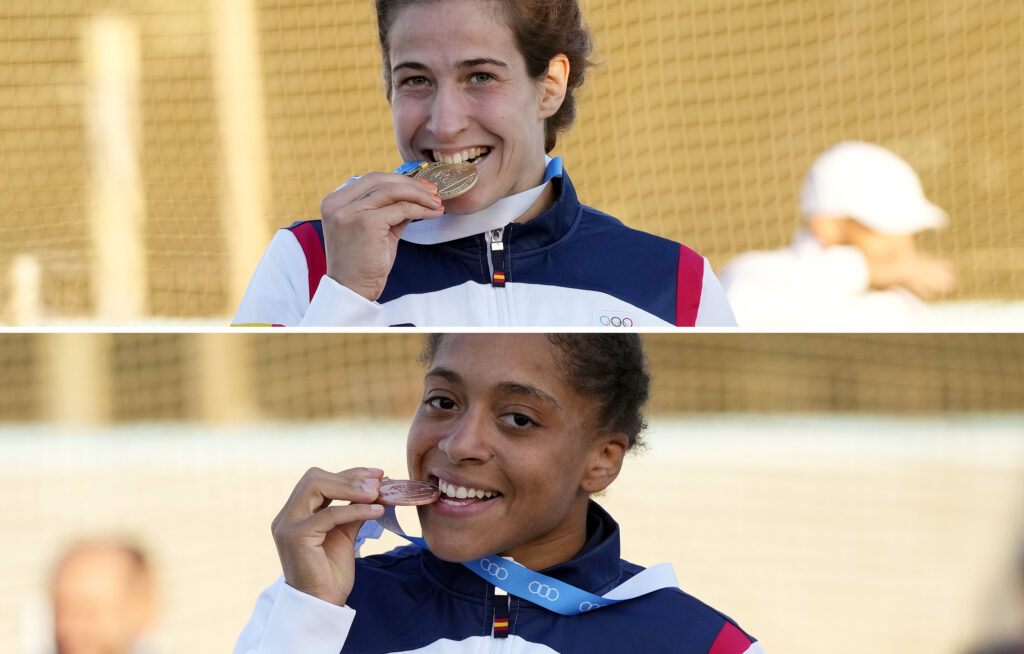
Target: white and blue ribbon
x=450 y=226
x=542 y=590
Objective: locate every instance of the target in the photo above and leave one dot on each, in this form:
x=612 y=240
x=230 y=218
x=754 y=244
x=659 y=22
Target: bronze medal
x=403 y=492
x=452 y=180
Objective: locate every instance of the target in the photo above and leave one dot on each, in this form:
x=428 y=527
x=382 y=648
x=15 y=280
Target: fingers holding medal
x=452 y=180
x=363 y=221
x=315 y=538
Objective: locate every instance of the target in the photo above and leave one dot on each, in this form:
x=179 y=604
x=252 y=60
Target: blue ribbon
x=540 y=589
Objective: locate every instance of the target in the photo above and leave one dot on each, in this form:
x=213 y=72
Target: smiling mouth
x=471 y=155
x=454 y=495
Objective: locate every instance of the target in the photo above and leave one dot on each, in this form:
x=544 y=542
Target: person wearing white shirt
x=853 y=264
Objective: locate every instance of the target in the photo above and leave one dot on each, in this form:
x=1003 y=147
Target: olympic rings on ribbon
x=494 y=569
x=615 y=321
x=543 y=590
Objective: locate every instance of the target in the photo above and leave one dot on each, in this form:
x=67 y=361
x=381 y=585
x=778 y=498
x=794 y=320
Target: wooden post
x=240 y=113
x=77 y=373
x=117 y=204
x=224 y=393
x=25 y=302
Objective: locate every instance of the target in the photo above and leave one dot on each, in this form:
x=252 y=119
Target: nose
x=466 y=442
x=448 y=113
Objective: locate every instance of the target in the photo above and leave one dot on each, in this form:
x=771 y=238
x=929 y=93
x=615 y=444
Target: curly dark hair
x=542 y=29
x=611 y=369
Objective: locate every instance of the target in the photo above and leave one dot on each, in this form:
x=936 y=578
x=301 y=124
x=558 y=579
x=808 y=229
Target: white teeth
x=461 y=492
x=459 y=157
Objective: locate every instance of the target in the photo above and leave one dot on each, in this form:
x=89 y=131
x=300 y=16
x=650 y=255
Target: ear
x=553 y=86
x=829 y=230
x=604 y=462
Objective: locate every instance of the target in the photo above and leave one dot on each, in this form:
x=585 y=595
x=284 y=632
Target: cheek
x=406 y=118
x=547 y=480
x=508 y=113
x=417 y=443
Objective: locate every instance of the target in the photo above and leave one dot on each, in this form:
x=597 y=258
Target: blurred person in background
x=488 y=87
x=1013 y=644
x=853 y=263
x=104 y=599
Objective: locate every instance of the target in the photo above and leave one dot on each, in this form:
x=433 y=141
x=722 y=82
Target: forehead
x=96 y=572
x=450 y=31
x=533 y=351
x=491 y=359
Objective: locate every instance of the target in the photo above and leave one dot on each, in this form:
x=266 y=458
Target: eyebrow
x=480 y=61
x=468 y=63
x=444 y=373
x=509 y=387
x=514 y=388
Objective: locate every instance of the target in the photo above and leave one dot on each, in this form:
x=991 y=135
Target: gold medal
x=452 y=180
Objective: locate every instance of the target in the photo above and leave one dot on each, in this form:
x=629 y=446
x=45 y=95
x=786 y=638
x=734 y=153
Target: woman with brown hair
x=479 y=92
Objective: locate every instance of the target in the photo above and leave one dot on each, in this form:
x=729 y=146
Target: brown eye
x=517 y=420
x=441 y=402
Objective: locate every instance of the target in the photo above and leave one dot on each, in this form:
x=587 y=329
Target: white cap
x=873 y=186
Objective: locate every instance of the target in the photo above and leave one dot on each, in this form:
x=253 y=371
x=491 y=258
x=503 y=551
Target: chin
x=470 y=202
x=463 y=205
x=454 y=550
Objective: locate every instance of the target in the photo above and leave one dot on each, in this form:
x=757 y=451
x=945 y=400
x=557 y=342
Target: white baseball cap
x=873 y=186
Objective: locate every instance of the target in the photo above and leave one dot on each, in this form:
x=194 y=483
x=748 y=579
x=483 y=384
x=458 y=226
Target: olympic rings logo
x=589 y=606
x=615 y=321
x=543 y=590
x=494 y=570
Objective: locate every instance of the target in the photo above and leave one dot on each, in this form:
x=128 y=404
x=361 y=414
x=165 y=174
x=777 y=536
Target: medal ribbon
x=542 y=590
x=454 y=226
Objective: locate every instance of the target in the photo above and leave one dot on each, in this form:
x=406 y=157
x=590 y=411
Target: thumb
x=399 y=228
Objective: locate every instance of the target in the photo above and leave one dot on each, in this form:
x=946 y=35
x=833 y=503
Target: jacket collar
x=595 y=568
x=551 y=225
x=542 y=231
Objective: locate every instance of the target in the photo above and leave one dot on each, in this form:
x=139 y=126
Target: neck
x=557 y=546
x=540 y=205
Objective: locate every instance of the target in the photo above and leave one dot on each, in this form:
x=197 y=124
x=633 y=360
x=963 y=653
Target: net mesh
x=698 y=125
x=310 y=376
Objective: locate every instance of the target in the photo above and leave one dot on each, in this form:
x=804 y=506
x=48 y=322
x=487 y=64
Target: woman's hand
x=363 y=222
x=316 y=541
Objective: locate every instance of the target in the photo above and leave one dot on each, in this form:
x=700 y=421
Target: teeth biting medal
x=452 y=180
x=404 y=492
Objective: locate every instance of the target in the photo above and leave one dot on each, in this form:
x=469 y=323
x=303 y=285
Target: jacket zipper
x=500 y=626
x=497 y=248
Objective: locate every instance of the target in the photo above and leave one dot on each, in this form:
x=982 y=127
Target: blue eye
x=480 y=78
x=417 y=80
